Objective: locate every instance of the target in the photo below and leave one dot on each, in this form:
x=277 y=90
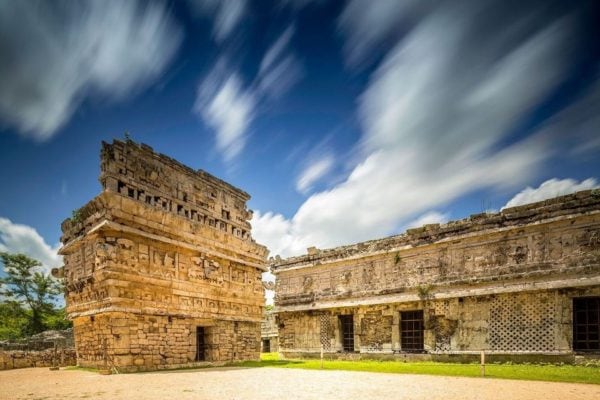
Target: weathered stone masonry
x=160 y=268
x=525 y=280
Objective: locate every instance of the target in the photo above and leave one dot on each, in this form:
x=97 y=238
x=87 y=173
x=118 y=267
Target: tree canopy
x=28 y=298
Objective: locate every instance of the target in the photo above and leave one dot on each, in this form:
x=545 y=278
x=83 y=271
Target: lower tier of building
x=142 y=342
x=547 y=322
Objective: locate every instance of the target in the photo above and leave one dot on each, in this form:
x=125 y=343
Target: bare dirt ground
x=274 y=383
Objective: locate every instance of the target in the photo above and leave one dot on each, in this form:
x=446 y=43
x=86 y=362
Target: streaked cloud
x=229 y=106
x=226 y=107
x=314 y=171
x=279 y=69
x=438 y=116
x=18 y=238
x=549 y=189
x=369 y=29
x=59 y=53
x=578 y=126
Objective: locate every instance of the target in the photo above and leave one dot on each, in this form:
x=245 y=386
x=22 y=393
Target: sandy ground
x=273 y=384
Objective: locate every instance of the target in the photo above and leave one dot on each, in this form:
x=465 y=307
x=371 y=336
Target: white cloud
x=367 y=27
x=436 y=116
x=431 y=217
x=275 y=231
x=313 y=172
x=227 y=108
x=279 y=69
x=549 y=189
x=226 y=14
x=18 y=238
x=59 y=53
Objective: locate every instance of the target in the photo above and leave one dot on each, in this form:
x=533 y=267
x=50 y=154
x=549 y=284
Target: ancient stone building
x=523 y=281
x=269 y=334
x=160 y=268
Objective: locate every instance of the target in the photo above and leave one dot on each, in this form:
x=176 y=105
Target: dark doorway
x=266 y=346
x=347 y=325
x=200 y=344
x=411 y=331
x=586 y=324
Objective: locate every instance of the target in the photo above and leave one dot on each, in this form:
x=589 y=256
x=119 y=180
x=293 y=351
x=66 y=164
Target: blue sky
x=345 y=120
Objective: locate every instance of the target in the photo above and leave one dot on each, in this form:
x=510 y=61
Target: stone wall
x=161 y=251
x=146 y=342
x=500 y=282
x=528 y=322
x=10 y=359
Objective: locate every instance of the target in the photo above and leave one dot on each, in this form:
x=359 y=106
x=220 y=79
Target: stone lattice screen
x=525 y=322
x=325 y=320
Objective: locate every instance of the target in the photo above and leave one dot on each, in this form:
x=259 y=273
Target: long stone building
x=524 y=281
x=160 y=268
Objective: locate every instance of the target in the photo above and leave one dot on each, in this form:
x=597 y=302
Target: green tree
x=13 y=320
x=57 y=320
x=34 y=291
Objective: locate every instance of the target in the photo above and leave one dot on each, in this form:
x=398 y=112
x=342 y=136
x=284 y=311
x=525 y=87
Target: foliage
x=57 y=320
x=28 y=298
x=397 y=258
x=77 y=216
x=424 y=290
x=269 y=307
x=13 y=319
x=535 y=372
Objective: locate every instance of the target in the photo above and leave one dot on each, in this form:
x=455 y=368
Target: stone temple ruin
x=160 y=268
x=524 y=281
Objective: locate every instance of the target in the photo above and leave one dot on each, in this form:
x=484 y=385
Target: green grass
x=76 y=368
x=534 y=372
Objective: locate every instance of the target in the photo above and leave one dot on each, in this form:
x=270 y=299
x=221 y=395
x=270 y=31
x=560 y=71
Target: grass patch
x=534 y=372
x=76 y=368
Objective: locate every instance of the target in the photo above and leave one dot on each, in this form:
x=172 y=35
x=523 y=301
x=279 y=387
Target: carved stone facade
x=511 y=282
x=269 y=334
x=160 y=268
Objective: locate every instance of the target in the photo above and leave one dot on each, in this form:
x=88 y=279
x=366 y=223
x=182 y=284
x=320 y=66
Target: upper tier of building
x=580 y=203
x=135 y=171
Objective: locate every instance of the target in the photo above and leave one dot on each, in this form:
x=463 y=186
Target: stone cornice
x=106 y=225
x=446 y=293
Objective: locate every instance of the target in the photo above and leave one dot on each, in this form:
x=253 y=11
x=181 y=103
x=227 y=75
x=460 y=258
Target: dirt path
x=274 y=384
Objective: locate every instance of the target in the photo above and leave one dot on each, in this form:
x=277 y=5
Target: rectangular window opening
x=200 y=344
x=411 y=331
x=121 y=188
x=347 y=332
x=586 y=324
x=266 y=348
